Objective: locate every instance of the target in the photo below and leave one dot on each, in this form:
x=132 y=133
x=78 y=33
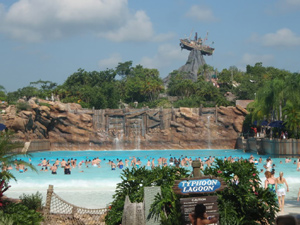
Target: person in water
x=280 y=190
x=270 y=182
x=199 y=217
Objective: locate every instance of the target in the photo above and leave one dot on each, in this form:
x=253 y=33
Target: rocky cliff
x=68 y=126
x=191 y=67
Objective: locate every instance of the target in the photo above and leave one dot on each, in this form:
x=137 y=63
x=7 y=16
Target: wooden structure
x=58 y=211
x=198 y=185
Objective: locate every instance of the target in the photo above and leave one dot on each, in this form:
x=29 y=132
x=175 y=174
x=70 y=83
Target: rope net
x=59 y=212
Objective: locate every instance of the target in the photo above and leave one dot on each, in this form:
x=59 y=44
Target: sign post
x=199 y=185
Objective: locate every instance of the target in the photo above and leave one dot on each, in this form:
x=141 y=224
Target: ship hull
x=190 y=45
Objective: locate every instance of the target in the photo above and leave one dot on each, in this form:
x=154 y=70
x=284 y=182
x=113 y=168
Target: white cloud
x=200 y=13
x=111 y=62
x=282 y=38
x=165 y=56
x=251 y=59
x=136 y=28
x=38 y=20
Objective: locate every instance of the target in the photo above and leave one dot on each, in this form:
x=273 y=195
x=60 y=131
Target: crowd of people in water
x=277 y=185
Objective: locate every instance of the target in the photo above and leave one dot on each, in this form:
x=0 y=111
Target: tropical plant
x=247 y=202
x=133 y=183
x=33 y=201
x=20 y=214
x=7 y=157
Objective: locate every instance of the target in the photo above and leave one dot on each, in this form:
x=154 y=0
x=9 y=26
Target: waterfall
x=208 y=133
x=137 y=132
x=26 y=146
x=118 y=140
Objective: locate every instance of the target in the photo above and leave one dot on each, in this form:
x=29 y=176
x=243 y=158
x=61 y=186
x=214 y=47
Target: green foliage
x=6 y=219
x=44 y=104
x=20 y=214
x=247 y=202
x=2 y=93
x=91 y=89
x=7 y=156
x=33 y=201
x=22 y=106
x=133 y=183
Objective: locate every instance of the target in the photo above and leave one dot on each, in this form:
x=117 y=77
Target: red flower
x=256 y=193
x=219 y=171
x=254 y=174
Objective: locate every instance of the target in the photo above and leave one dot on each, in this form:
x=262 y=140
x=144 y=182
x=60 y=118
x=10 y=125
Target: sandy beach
x=291 y=207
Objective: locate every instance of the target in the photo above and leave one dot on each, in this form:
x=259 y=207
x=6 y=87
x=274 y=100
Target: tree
x=291 y=114
x=2 y=93
x=7 y=157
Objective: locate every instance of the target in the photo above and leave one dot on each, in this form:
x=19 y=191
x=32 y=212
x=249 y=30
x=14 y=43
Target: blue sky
x=52 y=39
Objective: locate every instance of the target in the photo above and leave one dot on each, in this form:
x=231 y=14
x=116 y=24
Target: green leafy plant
x=247 y=202
x=133 y=183
x=23 y=106
x=33 y=201
x=20 y=214
x=6 y=219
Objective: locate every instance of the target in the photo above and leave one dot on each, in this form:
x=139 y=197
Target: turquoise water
x=94 y=187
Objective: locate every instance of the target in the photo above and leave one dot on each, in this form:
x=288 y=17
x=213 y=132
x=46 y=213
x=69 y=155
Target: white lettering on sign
x=198 y=186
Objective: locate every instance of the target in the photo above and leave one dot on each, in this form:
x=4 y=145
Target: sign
x=201 y=185
x=188 y=206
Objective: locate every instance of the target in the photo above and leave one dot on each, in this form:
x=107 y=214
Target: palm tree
x=292 y=117
x=8 y=156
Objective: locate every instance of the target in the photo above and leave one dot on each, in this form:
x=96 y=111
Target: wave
x=72 y=185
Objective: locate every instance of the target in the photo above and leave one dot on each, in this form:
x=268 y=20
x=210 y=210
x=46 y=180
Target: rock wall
x=68 y=126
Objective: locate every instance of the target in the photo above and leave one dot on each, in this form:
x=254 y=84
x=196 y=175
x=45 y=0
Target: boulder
x=60 y=107
x=86 y=118
x=19 y=124
x=188 y=114
x=240 y=108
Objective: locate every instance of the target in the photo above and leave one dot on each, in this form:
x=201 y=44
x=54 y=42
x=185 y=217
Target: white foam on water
x=95 y=187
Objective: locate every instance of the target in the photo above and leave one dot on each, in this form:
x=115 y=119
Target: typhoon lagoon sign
x=199 y=186
x=202 y=185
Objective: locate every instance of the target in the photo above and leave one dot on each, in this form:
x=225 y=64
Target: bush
x=246 y=203
x=133 y=183
x=20 y=214
x=6 y=219
x=33 y=201
x=44 y=104
x=23 y=106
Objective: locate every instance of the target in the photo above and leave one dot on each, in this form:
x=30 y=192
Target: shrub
x=33 y=201
x=6 y=219
x=23 y=106
x=245 y=203
x=133 y=183
x=20 y=214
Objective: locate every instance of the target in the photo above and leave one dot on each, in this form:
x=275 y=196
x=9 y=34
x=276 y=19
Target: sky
x=50 y=40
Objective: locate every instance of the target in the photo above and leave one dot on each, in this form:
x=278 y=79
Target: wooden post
x=48 y=199
x=200 y=110
x=172 y=114
x=216 y=114
x=106 y=122
x=144 y=116
x=74 y=211
x=196 y=164
x=161 y=117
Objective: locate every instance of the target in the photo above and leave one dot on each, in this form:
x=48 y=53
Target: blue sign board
x=199 y=186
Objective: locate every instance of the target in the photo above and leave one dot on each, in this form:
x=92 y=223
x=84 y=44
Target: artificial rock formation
x=191 y=67
x=68 y=126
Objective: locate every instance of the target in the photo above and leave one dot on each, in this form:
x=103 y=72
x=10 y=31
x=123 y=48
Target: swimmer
x=113 y=165
x=53 y=169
